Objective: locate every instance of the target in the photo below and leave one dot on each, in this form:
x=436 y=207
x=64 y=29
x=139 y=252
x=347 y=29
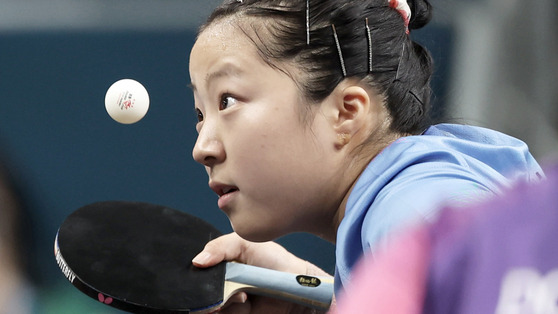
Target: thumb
x=228 y=247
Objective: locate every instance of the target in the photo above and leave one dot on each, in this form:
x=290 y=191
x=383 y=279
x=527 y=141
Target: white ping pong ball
x=127 y=101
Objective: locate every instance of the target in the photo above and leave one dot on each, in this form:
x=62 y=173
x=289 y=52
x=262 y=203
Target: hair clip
x=339 y=50
x=369 y=38
x=403 y=8
x=307 y=22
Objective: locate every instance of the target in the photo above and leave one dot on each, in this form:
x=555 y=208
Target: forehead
x=224 y=30
x=235 y=40
x=221 y=43
x=232 y=46
x=233 y=34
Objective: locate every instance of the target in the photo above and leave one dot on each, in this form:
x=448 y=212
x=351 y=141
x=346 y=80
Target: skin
x=284 y=174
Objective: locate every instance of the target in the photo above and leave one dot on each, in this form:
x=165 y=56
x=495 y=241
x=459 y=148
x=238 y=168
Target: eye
x=199 y=115
x=226 y=102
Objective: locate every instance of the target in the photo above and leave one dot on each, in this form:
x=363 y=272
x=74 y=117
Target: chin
x=255 y=233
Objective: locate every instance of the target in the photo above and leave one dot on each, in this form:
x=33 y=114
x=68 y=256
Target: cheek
x=270 y=143
x=256 y=153
x=266 y=134
x=274 y=164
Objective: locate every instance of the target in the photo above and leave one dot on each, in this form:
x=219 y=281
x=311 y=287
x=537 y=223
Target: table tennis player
x=313 y=116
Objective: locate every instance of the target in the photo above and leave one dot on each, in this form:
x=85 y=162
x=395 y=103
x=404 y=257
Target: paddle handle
x=312 y=291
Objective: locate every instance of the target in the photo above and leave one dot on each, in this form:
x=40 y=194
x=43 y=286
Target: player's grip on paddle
x=269 y=255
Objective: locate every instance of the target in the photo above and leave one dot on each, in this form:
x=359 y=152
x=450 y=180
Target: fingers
x=240 y=297
x=238 y=303
x=229 y=247
x=258 y=304
x=236 y=308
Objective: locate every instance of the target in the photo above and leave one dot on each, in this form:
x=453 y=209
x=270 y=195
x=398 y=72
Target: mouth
x=228 y=190
x=225 y=192
x=222 y=189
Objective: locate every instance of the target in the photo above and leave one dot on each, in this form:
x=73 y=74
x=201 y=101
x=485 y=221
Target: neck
x=349 y=177
x=357 y=166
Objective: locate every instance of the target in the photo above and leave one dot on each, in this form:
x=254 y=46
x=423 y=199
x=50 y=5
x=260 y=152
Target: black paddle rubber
x=137 y=257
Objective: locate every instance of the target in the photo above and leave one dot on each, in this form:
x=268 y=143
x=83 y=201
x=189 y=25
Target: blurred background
x=496 y=66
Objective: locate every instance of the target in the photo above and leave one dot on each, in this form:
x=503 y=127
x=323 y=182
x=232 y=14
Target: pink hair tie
x=403 y=8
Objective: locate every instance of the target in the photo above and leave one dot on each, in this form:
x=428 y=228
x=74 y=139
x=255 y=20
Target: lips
x=228 y=190
x=222 y=189
x=226 y=193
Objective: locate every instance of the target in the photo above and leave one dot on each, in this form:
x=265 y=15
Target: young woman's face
x=274 y=173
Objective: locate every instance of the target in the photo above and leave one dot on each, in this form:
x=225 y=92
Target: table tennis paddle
x=137 y=257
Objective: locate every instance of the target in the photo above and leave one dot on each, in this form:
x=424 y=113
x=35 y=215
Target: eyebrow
x=228 y=69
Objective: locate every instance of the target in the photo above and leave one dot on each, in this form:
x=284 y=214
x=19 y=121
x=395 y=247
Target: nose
x=208 y=149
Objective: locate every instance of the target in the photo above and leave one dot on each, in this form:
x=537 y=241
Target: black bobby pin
x=418 y=100
x=369 y=37
x=399 y=64
x=339 y=50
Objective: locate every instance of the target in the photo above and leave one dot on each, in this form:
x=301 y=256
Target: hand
x=232 y=247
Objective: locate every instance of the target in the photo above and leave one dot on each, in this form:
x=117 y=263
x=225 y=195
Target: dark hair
x=401 y=68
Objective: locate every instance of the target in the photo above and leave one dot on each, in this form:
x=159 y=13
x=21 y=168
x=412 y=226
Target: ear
x=350 y=113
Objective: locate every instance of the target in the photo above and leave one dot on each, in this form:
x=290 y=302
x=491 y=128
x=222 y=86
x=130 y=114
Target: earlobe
x=342 y=140
x=353 y=112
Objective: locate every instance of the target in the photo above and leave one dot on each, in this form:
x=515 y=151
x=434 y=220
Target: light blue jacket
x=415 y=176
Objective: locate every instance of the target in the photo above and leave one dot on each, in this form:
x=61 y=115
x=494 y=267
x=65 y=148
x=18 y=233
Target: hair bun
x=421 y=13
